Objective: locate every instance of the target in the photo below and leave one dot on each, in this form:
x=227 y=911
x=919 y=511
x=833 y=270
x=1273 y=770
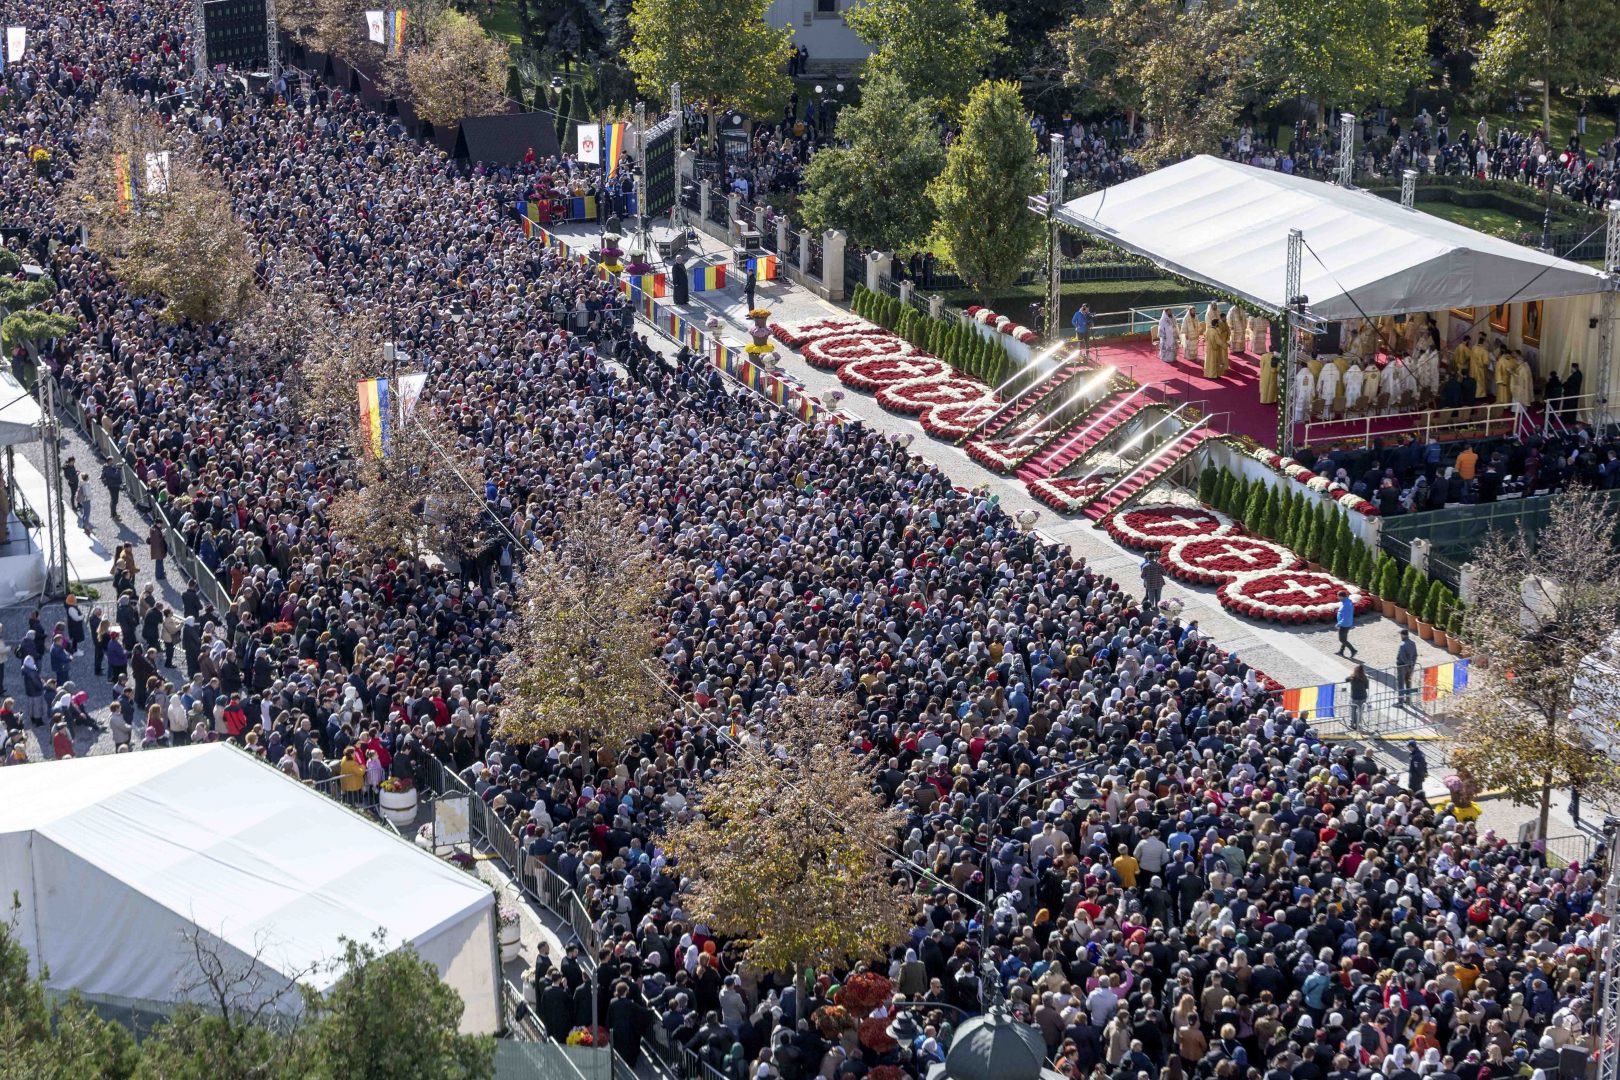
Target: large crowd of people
x=1226 y=896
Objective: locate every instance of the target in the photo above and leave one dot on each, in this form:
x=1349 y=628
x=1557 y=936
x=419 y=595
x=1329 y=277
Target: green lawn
x=503 y=22
x=1564 y=112
x=1485 y=219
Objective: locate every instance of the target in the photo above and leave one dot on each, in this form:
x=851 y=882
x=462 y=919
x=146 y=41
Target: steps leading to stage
x=1008 y=425
x=1079 y=439
x=1164 y=459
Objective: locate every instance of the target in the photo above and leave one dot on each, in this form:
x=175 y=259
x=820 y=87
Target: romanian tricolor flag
x=582 y=208
x=529 y=227
x=123 y=183
x=394 y=43
x=807 y=408
x=763 y=266
x=777 y=391
x=650 y=284
x=1307 y=700
x=375 y=418
x=708 y=278
x=615 y=146
x=1445 y=679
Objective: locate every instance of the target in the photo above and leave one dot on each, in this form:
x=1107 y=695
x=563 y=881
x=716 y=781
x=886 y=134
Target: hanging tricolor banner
x=377 y=27
x=397 y=20
x=1307 y=700
x=1443 y=680
x=763 y=266
x=123 y=183
x=16 y=43
x=376 y=420
x=615 y=146
x=708 y=278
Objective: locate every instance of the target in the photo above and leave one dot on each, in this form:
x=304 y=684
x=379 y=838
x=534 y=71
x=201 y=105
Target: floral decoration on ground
x=880 y=371
x=1293 y=470
x=1002 y=324
x=1213 y=560
x=836 y=350
x=796 y=334
x=1289 y=596
x=1070 y=494
x=1002 y=456
x=955 y=421
x=1154 y=526
x=916 y=396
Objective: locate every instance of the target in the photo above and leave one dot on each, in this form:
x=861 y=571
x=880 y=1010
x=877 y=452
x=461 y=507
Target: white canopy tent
x=117 y=859
x=20 y=416
x=1226 y=225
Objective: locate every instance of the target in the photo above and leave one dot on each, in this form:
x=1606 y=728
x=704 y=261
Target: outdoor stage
x=1232 y=402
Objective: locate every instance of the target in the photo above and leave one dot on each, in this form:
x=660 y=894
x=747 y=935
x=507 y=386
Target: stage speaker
x=234 y=32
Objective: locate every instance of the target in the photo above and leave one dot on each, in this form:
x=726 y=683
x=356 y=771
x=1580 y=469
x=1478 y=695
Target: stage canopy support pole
x=1057 y=170
x=1292 y=308
x=678 y=214
x=1408 y=187
x=272 y=40
x=199 y=41
x=1601 y=414
x=1347 y=150
x=641 y=180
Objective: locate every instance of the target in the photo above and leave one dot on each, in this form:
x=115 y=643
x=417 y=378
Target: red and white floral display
x=1292 y=469
x=1152 y=527
x=797 y=333
x=1289 y=596
x=835 y=351
x=919 y=395
x=1001 y=456
x=955 y=421
x=1212 y=560
x=1070 y=493
x=1002 y=324
x=880 y=371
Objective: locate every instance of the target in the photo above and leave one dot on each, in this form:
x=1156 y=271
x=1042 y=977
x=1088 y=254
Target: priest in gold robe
x=1270 y=375
x=1216 y=338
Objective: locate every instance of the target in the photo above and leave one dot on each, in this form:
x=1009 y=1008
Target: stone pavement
x=1293 y=655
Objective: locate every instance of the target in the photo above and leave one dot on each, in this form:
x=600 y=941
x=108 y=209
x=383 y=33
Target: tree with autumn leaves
x=786 y=854
x=1542 y=622
x=582 y=631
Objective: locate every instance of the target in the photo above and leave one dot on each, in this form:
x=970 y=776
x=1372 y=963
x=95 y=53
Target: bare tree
x=1543 y=618
x=788 y=850
x=583 y=630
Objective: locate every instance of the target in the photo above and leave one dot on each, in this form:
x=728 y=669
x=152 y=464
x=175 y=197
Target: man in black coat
x=557 y=1007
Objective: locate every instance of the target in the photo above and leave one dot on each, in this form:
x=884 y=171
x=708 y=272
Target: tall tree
x=940 y=49
x=875 y=186
x=1355 y=53
x=990 y=172
x=724 y=53
x=1542 y=613
x=582 y=631
x=787 y=850
x=1181 y=67
x=1561 y=43
x=361 y=1024
x=458 y=71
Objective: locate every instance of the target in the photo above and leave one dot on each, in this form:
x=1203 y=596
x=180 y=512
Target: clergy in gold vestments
x=1237 y=322
x=1370 y=378
x=1269 y=375
x=1215 y=342
x=1504 y=378
x=1522 y=383
x=1191 y=331
x=1479 y=366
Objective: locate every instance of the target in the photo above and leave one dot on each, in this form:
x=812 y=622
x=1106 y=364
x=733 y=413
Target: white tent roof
x=1226 y=225
x=19 y=412
x=116 y=858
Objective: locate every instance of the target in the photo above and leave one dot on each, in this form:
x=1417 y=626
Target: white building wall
x=818 y=25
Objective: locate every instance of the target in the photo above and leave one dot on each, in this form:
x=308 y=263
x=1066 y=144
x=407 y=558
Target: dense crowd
x=1225 y=895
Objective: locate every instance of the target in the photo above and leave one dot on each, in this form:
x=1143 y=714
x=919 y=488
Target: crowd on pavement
x=1111 y=826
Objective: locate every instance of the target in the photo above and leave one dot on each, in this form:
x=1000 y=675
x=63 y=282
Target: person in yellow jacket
x=351 y=773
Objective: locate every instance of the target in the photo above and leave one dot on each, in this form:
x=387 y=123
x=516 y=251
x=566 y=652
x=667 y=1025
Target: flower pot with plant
x=396 y=801
x=511 y=925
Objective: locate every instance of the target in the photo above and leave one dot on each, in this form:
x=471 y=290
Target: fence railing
x=181 y=554
x=1388 y=710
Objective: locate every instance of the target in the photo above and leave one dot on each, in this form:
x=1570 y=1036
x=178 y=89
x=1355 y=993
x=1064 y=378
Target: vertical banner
x=375 y=421
x=589 y=150
x=377 y=27
x=123 y=183
x=615 y=146
x=16 y=43
x=397 y=21
x=157 y=173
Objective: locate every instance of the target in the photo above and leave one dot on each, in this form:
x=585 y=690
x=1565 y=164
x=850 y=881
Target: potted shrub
x=397 y=801
x=1423 y=609
x=1408 y=596
x=1458 y=646
x=1389 y=585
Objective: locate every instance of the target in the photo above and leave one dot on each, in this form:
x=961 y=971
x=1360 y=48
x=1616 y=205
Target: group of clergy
x=1327 y=388
x=1220 y=335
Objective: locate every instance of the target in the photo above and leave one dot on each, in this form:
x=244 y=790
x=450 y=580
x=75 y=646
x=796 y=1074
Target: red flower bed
x=797 y=333
x=1289 y=596
x=1070 y=493
x=1152 y=527
x=1213 y=560
x=836 y=350
x=880 y=371
x=919 y=395
x=955 y=421
x=1001 y=456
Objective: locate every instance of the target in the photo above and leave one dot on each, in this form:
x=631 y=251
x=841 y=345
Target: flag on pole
x=397 y=20
x=615 y=146
x=1445 y=679
x=590 y=144
x=1306 y=700
x=16 y=43
x=410 y=392
x=708 y=278
x=376 y=423
x=377 y=27
x=123 y=183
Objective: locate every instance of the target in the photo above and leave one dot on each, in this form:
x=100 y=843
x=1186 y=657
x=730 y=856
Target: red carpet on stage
x=1237 y=394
